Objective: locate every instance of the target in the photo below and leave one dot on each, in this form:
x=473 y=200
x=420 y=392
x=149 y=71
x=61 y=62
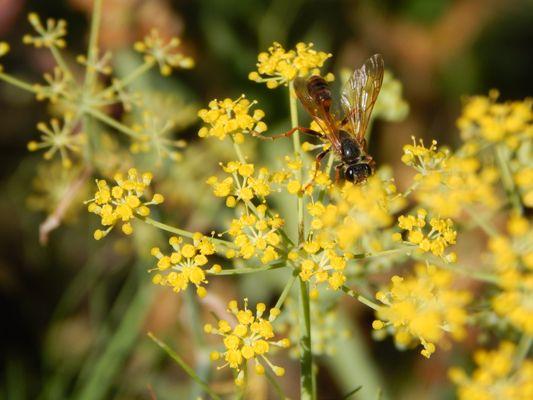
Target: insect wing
x=323 y=118
x=360 y=94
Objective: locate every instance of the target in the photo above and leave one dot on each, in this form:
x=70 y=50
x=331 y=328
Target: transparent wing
x=359 y=95
x=322 y=117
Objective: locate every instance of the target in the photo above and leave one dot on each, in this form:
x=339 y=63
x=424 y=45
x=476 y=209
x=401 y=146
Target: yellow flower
x=485 y=119
x=231 y=117
x=163 y=52
x=435 y=238
x=49 y=35
x=422 y=308
x=57 y=138
x=122 y=202
x=257 y=235
x=243 y=185
x=248 y=338
x=278 y=66
x=496 y=376
x=186 y=264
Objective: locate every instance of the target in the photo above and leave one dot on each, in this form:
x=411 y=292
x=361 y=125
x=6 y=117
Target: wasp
x=346 y=135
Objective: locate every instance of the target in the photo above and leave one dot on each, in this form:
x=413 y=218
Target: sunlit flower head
x=49 y=34
x=422 y=309
x=122 y=202
x=434 y=237
x=279 y=67
x=247 y=337
x=231 y=117
x=496 y=376
x=186 y=264
x=59 y=138
x=484 y=118
x=257 y=235
x=163 y=52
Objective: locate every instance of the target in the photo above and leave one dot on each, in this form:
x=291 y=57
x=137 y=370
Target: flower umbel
x=249 y=339
x=163 y=52
x=231 y=117
x=278 y=66
x=49 y=35
x=422 y=308
x=186 y=264
x=496 y=376
x=122 y=202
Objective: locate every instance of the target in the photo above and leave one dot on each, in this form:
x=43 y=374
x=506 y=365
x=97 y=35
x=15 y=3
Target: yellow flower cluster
x=256 y=235
x=447 y=183
x=231 y=117
x=4 y=49
x=422 y=308
x=122 y=202
x=57 y=138
x=242 y=185
x=289 y=178
x=59 y=86
x=496 y=376
x=357 y=211
x=163 y=52
x=486 y=119
x=248 y=339
x=49 y=35
x=512 y=260
x=435 y=240
x=186 y=264
x=320 y=262
x=278 y=66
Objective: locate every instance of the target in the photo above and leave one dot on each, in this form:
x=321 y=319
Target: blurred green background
x=76 y=311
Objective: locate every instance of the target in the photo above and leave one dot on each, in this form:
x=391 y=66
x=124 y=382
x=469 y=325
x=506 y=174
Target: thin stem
x=273 y=381
x=122 y=83
x=237 y=148
x=522 y=350
x=404 y=249
x=507 y=180
x=188 y=370
x=362 y=299
x=307 y=377
x=286 y=291
x=463 y=270
x=242 y=271
x=181 y=232
x=61 y=61
x=487 y=227
x=17 y=82
x=92 y=52
x=111 y=122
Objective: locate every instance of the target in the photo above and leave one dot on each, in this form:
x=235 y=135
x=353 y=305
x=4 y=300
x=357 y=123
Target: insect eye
x=350 y=173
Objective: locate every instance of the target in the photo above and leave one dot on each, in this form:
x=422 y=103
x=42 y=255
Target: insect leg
x=338 y=169
x=288 y=133
x=318 y=159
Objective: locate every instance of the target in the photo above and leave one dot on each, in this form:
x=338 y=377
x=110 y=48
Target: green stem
x=17 y=82
x=92 y=53
x=507 y=180
x=122 y=83
x=463 y=270
x=487 y=227
x=111 y=122
x=522 y=350
x=403 y=249
x=307 y=376
x=181 y=232
x=188 y=370
x=242 y=271
x=362 y=299
x=61 y=62
x=286 y=291
x=273 y=381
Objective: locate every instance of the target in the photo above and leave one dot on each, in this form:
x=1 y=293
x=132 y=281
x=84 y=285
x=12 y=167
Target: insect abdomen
x=319 y=89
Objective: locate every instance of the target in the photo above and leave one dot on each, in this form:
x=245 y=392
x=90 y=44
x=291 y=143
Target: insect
x=347 y=135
